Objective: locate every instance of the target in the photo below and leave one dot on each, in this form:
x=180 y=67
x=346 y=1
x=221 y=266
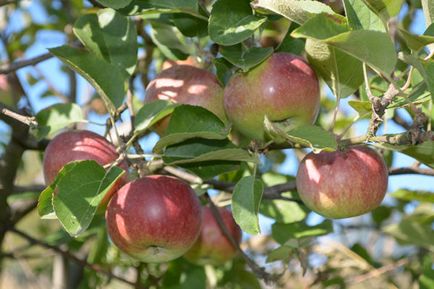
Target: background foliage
x=378 y=84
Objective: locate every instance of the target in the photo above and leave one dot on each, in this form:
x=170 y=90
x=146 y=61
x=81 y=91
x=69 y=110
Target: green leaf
x=202 y=150
x=415 y=229
x=422 y=152
x=156 y=7
x=208 y=170
x=298 y=11
x=45 y=201
x=56 y=117
x=385 y=8
x=245 y=58
x=152 y=112
x=79 y=193
x=415 y=42
x=363 y=108
x=342 y=72
x=283 y=232
x=411 y=195
x=426 y=69
x=290 y=44
x=358 y=43
x=282 y=211
x=232 y=22
x=188 y=121
x=109 y=81
x=305 y=135
x=246 y=199
x=111 y=36
x=115 y=4
x=428 y=11
x=223 y=70
x=170 y=41
x=361 y=17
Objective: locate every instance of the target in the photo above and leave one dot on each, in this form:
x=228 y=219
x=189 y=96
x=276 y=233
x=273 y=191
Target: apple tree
x=216 y=144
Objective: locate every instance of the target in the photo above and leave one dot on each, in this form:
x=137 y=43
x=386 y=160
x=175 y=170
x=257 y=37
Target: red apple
x=212 y=246
x=187 y=84
x=154 y=218
x=79 y=145
x=342 y=184
x=283 y=86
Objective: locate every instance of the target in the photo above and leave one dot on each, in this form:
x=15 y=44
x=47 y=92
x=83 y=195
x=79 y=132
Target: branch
x=68 y=255
x=257 y=270
x=411 y=171
x=10 y=114
x=5 y=69
x=377 y=272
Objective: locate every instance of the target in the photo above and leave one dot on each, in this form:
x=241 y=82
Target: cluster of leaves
x=365 y=45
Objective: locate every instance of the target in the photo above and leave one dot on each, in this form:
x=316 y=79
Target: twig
x=28 y=120
x=23 y=63
x=411 y=170
x=257 y=270
x=377 y=272
x=68 y=255
x=7 y=2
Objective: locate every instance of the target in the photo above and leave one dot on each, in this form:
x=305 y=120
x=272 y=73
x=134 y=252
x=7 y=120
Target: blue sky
x=50 y=68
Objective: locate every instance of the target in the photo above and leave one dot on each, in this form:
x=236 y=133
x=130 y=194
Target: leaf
x=385 y=8
x=188 y=121
x=203 y=150
x=281 y=211
x=415 y=229
x=152 y=112
x=111 y=36
x=170 y=41
x=45 y=201
x=283 y=232
x=342 y=72
x=298 y=11
x=363 y=108
x=232 y=22
x=361 y=17
x=422 y=152
x=210 y=169
x=223 y=70
x=305 y=135
x=108 y=80
x=415 y=42
x=411 y=195
x=56 y=117
x=245 y=58
x=426 y=69
x=246 y=199
x=428 y=11
x=357 y=43
x=115 y=4
x=79 y=193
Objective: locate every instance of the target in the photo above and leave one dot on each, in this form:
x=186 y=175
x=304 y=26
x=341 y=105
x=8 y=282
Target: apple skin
x=189 y=61
x=342 y=184
x=283 y=86
x=154 y=219
x=186 y=84
x=77 y=145
x=212 y=246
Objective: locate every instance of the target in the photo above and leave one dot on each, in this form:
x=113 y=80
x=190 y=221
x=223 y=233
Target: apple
x=154 y=219
x=342 y=184
x=77 y=145
x=283 y=86
x=186 y=84
x=212 y=246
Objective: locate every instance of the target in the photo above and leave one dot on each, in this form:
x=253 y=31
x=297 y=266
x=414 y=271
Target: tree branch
x=257 y=270
x=10 y=114
x=68 y=255
x=5 y=69
x=411 y=171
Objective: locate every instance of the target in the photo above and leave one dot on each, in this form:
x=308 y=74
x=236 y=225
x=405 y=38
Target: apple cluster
x=158 y=218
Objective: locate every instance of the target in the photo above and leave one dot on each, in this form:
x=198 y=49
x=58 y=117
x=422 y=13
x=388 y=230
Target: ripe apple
x=342 y=184
x=154 y=219
x=212 y=246
x=186 y=84
x=283 y=86
x=76 y=145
